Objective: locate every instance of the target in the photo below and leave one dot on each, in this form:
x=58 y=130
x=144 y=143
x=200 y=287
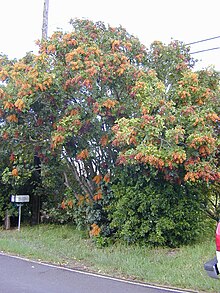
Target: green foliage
x=156 y=212
x=70 y=209
x=210 y=201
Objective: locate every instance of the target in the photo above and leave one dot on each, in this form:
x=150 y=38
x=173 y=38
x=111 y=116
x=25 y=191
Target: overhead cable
x=205 y=40
x=211 y=49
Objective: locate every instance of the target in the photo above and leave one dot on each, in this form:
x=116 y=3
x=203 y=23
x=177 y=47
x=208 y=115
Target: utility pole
x=36 y=175
x=45 y=20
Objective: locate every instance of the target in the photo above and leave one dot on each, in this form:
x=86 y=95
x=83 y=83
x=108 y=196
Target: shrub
x=156 y=213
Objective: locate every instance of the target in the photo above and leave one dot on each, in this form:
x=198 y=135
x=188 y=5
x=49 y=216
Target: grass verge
x=63 y=245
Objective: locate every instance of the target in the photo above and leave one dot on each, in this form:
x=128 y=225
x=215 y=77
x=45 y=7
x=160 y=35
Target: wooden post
x=36 y=175
x=45 y=20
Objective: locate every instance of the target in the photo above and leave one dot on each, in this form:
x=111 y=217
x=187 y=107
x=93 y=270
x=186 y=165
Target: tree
x=177 y=133
x=96 y=91
x=174 y=143
x=64 y=101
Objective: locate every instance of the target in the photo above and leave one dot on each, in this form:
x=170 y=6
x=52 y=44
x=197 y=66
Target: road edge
x=99 y=275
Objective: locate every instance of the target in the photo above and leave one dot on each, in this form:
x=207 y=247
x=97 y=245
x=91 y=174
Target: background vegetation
x=120 y=140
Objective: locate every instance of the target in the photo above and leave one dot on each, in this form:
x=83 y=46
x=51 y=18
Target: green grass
x=181 y=267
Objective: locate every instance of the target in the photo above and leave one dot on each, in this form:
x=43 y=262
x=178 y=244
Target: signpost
x=20 y=200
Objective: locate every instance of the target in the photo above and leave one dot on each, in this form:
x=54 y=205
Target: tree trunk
x=35 y=198
x=7 y=221
x=35 y=211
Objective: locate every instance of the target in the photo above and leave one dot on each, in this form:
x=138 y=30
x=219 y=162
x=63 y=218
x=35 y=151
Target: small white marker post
x=19 y=215
x=19 y=200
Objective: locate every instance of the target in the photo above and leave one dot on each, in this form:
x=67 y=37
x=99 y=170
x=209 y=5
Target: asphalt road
x=22 y=276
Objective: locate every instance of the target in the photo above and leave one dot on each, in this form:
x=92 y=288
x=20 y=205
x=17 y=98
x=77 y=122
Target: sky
x=149 y=20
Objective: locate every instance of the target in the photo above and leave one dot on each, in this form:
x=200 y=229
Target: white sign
x=20 y=198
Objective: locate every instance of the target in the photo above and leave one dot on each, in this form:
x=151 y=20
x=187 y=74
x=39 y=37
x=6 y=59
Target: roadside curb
x=99 y=275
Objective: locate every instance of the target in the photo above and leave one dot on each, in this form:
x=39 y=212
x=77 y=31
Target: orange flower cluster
x=115 y=45
x=150 y=159
x=82 y=199
x=20 y=66
x=95 y=231
x=83 y=155
x=3 y=75
x=8 y=105
x=63 y=205
x=97 y=196
x=1 y=93
x=75 y=52
x=213 y=117
x=184 y=94
x=69 y=39
x=204 y=151
x=107 y=178
x=12 y=118
x=12 y=157
x=74 y=112
x=206 y=175
x=199 y=121
x=19 y=104
x=179 y=158
x=66 y=204
x=203 y=140
x=87 y=83
x=14 y=172
x=75 y=65
x=104 y=140
x=97 y=179
x=5 y=135
x=57 y=139
x=92 y=71
x=51 y=48
x=121 y=69
x=109 y=103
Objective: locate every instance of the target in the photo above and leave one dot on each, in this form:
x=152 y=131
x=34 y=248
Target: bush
x=156 y=213
x=70 y=209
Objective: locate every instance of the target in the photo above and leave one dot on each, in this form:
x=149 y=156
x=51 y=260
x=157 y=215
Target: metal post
x=19 y=216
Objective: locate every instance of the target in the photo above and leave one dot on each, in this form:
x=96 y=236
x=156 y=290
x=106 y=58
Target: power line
x=205 y=40
x=205 y=50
